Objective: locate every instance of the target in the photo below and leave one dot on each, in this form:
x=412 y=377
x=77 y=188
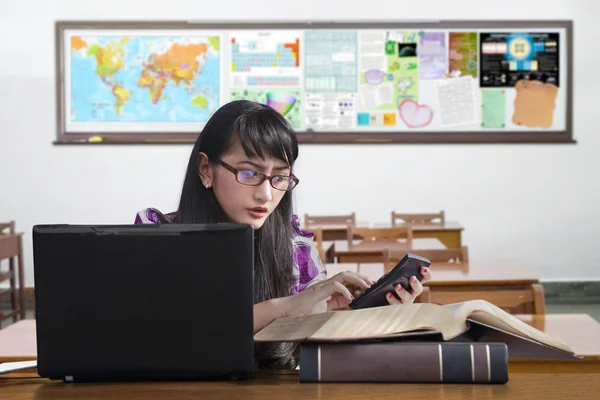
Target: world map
x=156 y=79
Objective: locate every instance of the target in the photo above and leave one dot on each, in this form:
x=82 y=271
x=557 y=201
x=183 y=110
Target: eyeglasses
x=253 y=178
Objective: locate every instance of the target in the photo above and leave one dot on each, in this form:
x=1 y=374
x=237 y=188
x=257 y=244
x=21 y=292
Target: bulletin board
x=360 y=82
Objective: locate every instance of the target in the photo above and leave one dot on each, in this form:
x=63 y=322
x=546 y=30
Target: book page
x=519 y=346
x=369 y=323
x=293 y=329
x=489 y=314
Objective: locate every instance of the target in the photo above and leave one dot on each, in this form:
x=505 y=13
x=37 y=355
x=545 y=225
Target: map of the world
x=156 y=79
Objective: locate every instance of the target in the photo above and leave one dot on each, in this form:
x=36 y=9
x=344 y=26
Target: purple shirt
x=308 y=267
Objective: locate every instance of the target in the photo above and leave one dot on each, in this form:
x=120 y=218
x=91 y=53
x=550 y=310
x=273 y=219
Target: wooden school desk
x=286 y=386
x=18 y=341
x=579 y=331
x=510 y=285
x=365 y=252
x=449 y=233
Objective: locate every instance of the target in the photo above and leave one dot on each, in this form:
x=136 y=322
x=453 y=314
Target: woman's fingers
x=353 y=278
x=336 y=284
x=337 y=301
x=417 y=287
x=426 y=272
x=330 y=287
x=392 y=299
x=404 y=295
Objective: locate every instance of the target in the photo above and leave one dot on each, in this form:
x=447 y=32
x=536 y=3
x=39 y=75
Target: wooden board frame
x=307 y=137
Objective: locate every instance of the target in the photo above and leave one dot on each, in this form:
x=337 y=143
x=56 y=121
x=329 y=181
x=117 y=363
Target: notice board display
x=411 y=82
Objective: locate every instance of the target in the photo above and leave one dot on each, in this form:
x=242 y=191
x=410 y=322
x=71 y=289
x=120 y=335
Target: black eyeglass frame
x=262 y=176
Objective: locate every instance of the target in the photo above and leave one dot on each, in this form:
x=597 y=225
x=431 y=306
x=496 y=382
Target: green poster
x=493 y=108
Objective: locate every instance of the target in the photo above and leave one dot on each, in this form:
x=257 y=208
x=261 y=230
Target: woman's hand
x=331 y=294
x=315 y=298
x=409 y=297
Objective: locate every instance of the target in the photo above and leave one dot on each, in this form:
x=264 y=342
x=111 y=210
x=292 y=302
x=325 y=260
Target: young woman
x=241 y=170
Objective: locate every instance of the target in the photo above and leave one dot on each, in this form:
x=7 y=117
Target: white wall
x=533 y=204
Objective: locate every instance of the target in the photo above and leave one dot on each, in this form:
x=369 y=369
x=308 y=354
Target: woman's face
x=242 y=203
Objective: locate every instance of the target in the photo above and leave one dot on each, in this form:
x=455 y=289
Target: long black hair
x=262 y=132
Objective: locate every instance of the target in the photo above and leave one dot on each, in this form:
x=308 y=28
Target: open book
x=475 y=320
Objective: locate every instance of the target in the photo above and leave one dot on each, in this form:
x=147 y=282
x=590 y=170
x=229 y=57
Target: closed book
x=404 y=362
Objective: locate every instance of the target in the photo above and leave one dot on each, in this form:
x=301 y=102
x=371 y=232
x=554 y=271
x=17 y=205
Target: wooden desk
x=450 y=233
x=509 y=286
x=18 y=341
x=286 y=386
x=369 y=252
x=11 y=247
x=580 y=331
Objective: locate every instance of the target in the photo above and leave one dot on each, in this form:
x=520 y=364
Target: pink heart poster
x=415 y=115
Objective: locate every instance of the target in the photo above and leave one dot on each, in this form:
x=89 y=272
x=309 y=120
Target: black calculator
x=409 y=266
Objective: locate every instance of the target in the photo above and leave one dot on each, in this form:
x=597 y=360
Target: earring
x=206 y=186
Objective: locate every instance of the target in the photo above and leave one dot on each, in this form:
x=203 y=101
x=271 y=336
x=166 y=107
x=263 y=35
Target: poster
x=456 y=97
x=432 y=55
x=507 y=58
x=463 y=53
x=389 y=75
x=127 y=82
x=288 y=102
x=329 y=111
x=331 y=79
x=534 y=104
x=266 y=67
x=493 y=108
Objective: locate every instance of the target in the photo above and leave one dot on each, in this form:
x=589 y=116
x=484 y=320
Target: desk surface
x=286 y=386
x=447 y=274
x=579 y=331
x=18 y=341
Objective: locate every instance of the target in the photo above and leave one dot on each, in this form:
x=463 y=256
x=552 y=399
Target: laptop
x=144 y=302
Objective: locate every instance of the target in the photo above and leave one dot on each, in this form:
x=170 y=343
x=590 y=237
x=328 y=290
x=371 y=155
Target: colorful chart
x=247 y=56
x=463 y=50
x=265 y=59
x=507 y=58
x=383 y=89
x=140 y=79
x=433 y=55
x=282 y=102
x=286 y=101
x=331 y=61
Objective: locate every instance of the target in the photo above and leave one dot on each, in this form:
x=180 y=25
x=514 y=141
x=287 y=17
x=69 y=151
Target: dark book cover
x=404 y=362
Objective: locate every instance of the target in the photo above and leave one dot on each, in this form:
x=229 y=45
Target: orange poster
x=534 y=104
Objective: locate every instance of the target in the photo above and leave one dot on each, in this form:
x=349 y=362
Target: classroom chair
x=379 y=235
x=318 y=220
x=432 y=218
x=526 y=300
x=319 y=244
x=458 y=257
x=11 y=247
